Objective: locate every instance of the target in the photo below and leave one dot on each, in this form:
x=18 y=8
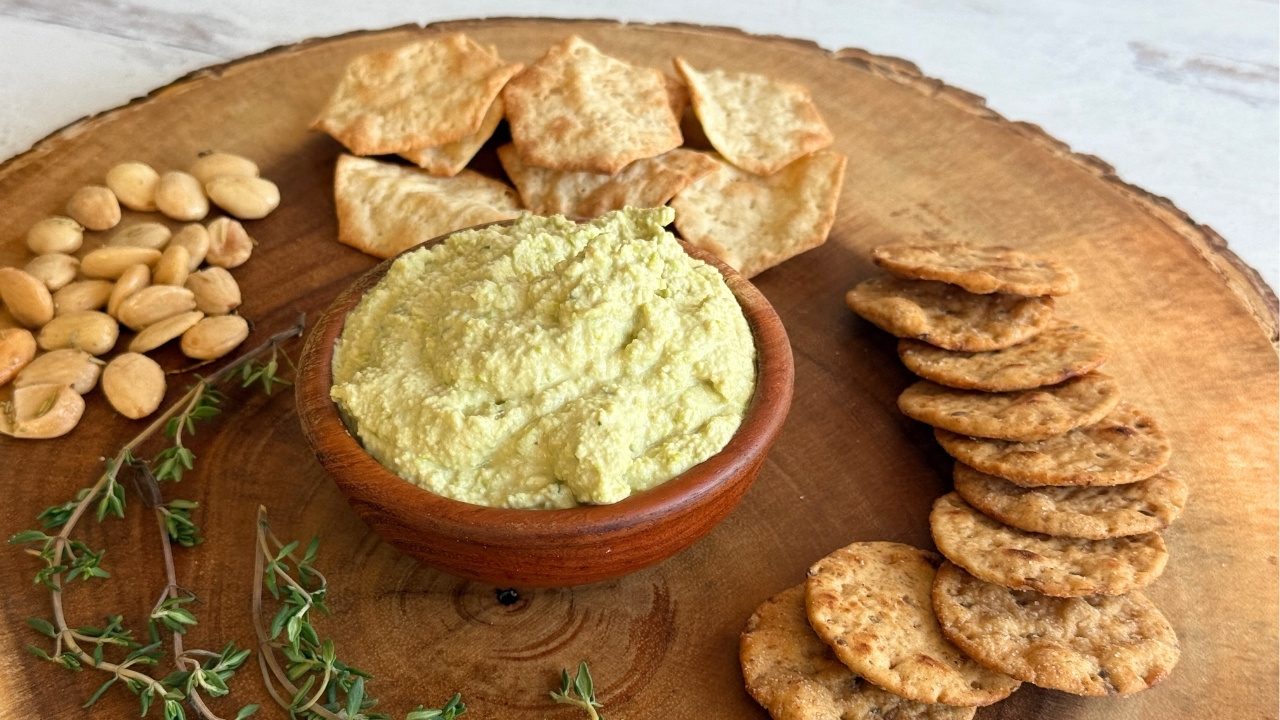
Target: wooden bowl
x=547 y=548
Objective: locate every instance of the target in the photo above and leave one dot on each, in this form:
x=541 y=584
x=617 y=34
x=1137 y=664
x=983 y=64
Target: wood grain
x=1194 y=332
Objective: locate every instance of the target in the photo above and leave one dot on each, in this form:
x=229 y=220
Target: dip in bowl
x=506 y=416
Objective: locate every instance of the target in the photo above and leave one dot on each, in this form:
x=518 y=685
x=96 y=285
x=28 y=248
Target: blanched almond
x=173 y=267
x=67 y=366
x=219 y=164
x=133 y=280
x=229 y=245
x=81 y=295
x=88 y=330
x=145 y=235
x=153 y=336
x=111 y=262
x=57 y=234
x=95 y=207
x=55 y=270
x=195 y=238
x=150 y=305
x=181 y=197
x=213 y=337
x=248 y=198
x=17 y=348
x=134 y=184
x=217 y=293
x=44 y=411
x=134 y=385
x=26 y=297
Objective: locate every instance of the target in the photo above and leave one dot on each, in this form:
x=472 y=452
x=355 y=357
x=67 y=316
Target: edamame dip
x=546 y=364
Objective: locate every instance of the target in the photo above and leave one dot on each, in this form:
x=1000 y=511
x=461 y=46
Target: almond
x=134 y=385
x=88 y=330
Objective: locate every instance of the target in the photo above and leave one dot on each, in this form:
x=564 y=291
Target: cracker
x=795 y=676
x=449 y=159
x=1063 y=351
x=1057 y=566
x=753 y=223
x=677 y=94
x=947 y=316
x=759 y=124
x=420 y=95
x=1087 y=646
x=1022 y=416
x=1082 y=512
x=646 y=183
x=384 y=208
x=870 y=602
x=579 y=110
x=1125 y=446
x=978 y=269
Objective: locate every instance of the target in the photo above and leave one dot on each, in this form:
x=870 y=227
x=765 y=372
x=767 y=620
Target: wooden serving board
x=1195 y=331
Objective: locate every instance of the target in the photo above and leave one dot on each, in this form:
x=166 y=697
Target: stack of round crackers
x=1060 y=489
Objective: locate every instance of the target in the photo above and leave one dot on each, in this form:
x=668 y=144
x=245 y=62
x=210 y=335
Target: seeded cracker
x=1057 y=566
x=871 y=603
x=579 y=110
x=1025 y=416
x=1083 y=512
x=1125 y=446
x=759 y=124
x=1087 y=646
x=795 y=676
x=643 y=184
x=421 y=95
x=753 y=223
x=449 y=159
x=948 y=316
x=384 y=208
x=978 y=269
x=1061 y=352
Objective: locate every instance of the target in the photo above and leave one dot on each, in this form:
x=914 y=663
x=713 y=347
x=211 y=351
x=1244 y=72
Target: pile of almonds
x=145 y=276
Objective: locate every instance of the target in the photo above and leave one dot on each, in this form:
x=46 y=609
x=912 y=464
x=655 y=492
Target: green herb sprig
x=579 y=691
x=198 y=672
x=311 y=682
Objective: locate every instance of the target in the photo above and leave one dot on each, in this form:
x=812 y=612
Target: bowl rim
x=355 y=471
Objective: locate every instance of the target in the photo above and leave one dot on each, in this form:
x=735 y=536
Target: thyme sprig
x=312 y=682
x=198 y=672
x=579 y=691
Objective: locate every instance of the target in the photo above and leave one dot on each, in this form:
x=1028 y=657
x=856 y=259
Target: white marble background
x=1179 y=95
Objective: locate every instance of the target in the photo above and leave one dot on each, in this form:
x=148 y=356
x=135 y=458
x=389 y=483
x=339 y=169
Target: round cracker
x=1023 y=416
x=949 y=316
x=1057 y=566
x=1063 y=351
x=1094 y=513
x=1125 y=446
x=795 y=676
x=978 y=269
x=1087 y=646
x=870 y=602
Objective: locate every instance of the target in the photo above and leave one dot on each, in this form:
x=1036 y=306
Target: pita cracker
x=579 y=110
x=448 y=159
x=385 y=208
x=646 y=183
x=678 y=93
x=752 y=222
x=424 y=94
x=757 y=123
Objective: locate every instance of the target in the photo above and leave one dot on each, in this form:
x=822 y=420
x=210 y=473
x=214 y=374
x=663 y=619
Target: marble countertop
x=1180 y=96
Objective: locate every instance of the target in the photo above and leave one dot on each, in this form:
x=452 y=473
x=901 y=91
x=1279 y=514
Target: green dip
x=546 y=364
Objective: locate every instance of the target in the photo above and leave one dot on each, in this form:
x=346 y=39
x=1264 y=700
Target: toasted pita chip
x=646 y=183
x=385 y=208
x=678 y=92
x=759 y=124
x=448 y=159
x=752 y=222
x=425 y=94
x=579 y=110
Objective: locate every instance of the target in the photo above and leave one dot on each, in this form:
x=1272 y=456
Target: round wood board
x=1194 y=329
